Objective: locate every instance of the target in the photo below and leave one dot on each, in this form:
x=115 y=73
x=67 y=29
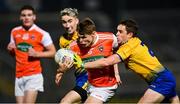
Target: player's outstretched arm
x=104 y=62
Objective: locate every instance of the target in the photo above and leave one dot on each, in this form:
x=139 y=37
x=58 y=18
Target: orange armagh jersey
x=36 y=38
x=101 y=48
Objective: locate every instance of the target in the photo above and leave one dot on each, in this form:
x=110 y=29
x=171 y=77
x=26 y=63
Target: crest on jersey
x=32 y=37
x=101 y=48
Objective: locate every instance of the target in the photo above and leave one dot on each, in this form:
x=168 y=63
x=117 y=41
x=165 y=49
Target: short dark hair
x=28 y=7
x=131 y=26
x=86 y=26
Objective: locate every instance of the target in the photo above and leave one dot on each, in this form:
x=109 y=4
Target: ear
x=77 y=21
x=34 y=17
x=20 y=17
x=130 y=35
x=93 y=33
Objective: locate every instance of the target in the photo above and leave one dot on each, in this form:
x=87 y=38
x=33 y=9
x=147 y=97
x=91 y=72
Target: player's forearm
x=116 y=70
x=45 y=54
x=104 y=62
x=48 y=53
x=96 y=64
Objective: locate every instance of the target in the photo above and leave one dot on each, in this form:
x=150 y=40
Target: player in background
x=29 y=43
x=141 y=60
x=69 y=20
x=90 y=46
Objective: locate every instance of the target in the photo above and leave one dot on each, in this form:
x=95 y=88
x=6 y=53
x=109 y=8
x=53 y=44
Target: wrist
x=116 y=74
x=60 y=71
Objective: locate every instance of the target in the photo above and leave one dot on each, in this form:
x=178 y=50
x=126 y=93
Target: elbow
x=53 y=54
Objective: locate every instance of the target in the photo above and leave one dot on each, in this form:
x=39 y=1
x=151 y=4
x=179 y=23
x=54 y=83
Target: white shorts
x=26 y=83
x=102 y=93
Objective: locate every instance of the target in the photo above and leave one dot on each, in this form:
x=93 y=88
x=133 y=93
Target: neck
x=27 y=27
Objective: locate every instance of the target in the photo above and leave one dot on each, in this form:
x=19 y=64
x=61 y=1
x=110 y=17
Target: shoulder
x=73 y=44
x=17 y=28
x=105 y=35
x=63 y=36
x=37 y=28
x=63 y=39
x=133 y=42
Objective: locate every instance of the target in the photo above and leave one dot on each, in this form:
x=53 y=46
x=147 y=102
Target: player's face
x=69 y=23
x=86 y=40
x=122 y=35
x=27 y=17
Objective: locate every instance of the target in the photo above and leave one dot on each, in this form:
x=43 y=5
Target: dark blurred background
x=159 y=22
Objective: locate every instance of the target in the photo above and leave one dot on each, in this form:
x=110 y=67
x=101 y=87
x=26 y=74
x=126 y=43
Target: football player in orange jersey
x=29 y=43
x=142 y=61
x=90 y=46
